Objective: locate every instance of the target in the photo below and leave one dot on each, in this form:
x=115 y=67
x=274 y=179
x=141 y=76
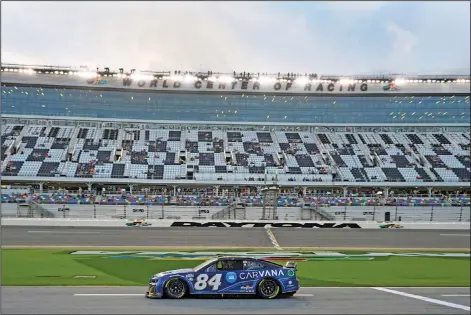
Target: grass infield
x=56 y=267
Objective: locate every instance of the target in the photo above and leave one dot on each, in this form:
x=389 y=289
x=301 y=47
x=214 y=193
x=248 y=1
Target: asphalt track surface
x=131 y=300
x=31 y=236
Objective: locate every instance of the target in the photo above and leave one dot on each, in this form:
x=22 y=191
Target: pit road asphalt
x=31 y=236
x=131 y=300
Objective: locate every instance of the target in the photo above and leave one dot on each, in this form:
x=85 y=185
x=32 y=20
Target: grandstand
x=385 y=135
x=58 y=150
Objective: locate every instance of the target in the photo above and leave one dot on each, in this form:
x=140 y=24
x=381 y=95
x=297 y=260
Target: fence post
x=431 y=215
x=374 y=211
x=147 y=210
x=94 y=210
x=461 y=211
x=395 y=214
x=125 y=212
x=162 y=211
x=345 y=213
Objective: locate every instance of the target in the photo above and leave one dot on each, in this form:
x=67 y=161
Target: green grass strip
x=53 y=267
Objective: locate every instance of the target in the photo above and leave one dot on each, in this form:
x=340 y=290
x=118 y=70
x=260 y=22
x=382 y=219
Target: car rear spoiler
x=291 y=265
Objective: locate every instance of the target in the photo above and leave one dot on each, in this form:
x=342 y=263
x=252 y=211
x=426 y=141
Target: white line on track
x=273 y=239
x=109 y=294
x=455 y=235
x=301 y=288
x=141 y=294
x=316 y=288
x=425 y=299
x=63 y=232
x=455 y=294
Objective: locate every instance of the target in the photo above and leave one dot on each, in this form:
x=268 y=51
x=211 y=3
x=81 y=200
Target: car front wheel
x=175 y=288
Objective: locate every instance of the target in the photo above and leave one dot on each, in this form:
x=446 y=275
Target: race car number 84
x=203 y=280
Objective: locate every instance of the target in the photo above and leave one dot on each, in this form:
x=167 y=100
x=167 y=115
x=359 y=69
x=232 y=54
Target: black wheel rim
x=268 y=288
x=175 y=287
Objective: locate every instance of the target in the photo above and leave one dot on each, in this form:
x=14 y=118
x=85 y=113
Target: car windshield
x=206 y=263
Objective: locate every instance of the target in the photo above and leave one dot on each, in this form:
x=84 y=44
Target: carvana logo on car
x=231 y=277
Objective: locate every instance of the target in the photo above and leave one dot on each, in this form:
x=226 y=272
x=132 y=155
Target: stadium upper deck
x=48 y=91
x=214 y=129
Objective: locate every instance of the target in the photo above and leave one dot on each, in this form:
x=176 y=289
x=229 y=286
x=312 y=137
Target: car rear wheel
x=175 y=288
x=268 y=289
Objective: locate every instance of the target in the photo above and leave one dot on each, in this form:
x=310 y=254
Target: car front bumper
x=153 y=293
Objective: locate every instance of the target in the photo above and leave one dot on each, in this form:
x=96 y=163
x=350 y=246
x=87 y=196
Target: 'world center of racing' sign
x=270 y=86
x=247 y=85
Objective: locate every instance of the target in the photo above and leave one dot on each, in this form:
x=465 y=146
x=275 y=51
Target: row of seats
x=211 y=200
x=93 y=152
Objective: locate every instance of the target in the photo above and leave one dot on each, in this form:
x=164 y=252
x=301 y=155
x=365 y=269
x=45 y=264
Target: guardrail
x=56 y=222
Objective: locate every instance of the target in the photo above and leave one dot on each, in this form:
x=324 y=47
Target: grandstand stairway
x=315 y=213
x=234 y=211
x=33 y=209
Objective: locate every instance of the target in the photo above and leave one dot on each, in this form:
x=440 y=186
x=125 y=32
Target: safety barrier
x=56 y=222
x=344 y=213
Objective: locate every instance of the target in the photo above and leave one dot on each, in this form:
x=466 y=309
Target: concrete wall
x=225 y=224
x=108 y=212
x=407 y=214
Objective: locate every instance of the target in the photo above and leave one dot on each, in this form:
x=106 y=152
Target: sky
x=336 y=38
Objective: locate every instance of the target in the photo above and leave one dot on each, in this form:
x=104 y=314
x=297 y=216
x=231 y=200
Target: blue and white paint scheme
x=227 y=276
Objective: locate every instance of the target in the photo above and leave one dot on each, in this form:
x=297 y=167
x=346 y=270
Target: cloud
x=358 y=6
x=322 y=37
x=404 y=40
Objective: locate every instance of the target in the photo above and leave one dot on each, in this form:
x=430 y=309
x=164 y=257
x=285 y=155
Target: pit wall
x=55 y=222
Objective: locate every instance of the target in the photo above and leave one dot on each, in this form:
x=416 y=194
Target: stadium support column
x=304 y=191
x=217 y=190
x=89 y=185
x=429 y=191
x=41 y=187
x=345 y=191
x=386 y=192
x=236 y=192
x=130 y=188
x=270 y=195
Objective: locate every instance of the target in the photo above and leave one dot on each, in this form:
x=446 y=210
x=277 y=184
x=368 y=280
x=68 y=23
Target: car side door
x=210 y=280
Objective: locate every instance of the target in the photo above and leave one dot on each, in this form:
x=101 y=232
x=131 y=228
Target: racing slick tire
x=268 y=288
x=175 y=288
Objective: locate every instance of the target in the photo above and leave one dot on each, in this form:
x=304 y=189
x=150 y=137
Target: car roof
x=236 y=257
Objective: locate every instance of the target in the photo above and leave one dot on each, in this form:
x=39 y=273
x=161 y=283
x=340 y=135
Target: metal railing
x=32 y=209
x=234 y=211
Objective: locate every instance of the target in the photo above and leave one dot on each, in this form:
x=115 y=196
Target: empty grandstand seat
x=97 y=152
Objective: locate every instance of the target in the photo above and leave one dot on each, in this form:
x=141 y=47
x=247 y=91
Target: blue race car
x=227 y=276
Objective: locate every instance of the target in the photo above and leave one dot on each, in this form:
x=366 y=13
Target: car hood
x=173 y=272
